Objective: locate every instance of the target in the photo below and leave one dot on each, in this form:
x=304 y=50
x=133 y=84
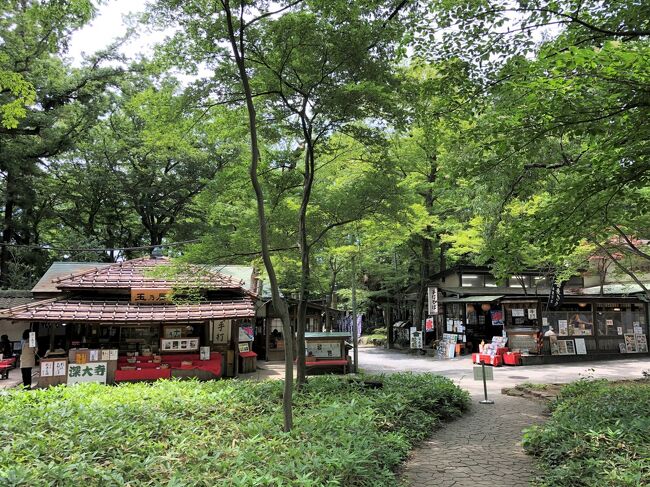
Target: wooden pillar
x=267 y=335
x=234 y=341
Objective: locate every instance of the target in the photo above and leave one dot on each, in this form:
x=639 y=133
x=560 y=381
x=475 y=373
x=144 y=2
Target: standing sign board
x=90 y=372
x=432 y=293
x=416 y=338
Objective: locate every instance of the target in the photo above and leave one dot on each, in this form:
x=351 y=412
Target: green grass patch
x=598 y=435
x=227 y=433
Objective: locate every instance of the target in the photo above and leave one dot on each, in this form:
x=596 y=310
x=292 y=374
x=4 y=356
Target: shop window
x=489 y=281
x=570 y=320
x=539 y=282
x=519 y=282
x=618 y=319
x=575 y=281
x=471 y=280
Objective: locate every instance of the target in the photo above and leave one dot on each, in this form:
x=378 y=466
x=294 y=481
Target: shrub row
x=598 y=435
x=188 y=433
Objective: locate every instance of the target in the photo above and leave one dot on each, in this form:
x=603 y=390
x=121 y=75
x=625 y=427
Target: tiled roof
x=14 y=297
x=140 y=274
x=116 y=311
x=61 y=270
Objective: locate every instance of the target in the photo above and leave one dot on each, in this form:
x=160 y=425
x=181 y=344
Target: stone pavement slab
x=482 y=448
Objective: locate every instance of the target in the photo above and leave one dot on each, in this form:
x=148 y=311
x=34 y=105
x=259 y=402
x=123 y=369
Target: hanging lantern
x=470 y=308
x=486 y=306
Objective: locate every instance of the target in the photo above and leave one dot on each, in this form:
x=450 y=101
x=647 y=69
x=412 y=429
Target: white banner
x=432 y=293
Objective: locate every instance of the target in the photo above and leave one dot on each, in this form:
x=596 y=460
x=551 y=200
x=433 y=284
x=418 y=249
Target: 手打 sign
x=90 y=372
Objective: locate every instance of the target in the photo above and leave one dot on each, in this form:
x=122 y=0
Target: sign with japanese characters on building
x=90 y=372
x=432 y=295
x=151 y=296
x=220 y=331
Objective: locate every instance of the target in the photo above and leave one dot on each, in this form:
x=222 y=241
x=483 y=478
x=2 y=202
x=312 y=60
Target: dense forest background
x=410 y=135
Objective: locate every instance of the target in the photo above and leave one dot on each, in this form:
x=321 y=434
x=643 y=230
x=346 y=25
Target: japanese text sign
x=90 y=372
x=150 y=296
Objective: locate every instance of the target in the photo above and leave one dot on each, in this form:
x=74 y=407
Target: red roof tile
x=125 y=311
x=139 y=274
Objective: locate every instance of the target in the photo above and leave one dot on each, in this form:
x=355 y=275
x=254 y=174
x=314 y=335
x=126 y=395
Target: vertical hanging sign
x=432 y=293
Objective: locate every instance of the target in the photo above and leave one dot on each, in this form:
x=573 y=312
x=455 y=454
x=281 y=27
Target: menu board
x=179 y=344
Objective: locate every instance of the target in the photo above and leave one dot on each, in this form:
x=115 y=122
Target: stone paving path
x=481 y=449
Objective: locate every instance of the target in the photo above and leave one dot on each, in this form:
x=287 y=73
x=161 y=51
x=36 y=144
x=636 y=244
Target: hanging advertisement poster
x=630 y=343
x=428 y=325
x=246 y=334
x=563 y=327
x=497 y=317
x=517 y=312
x=532 y=314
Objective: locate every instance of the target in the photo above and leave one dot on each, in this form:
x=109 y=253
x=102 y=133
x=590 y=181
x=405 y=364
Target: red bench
x=5 y=366
x=324 y=363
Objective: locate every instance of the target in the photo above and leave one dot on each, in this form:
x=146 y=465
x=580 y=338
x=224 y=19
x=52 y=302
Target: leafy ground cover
x=598 y=435
x=188 y=433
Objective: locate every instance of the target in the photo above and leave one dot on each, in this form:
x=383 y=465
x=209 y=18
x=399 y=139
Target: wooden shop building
x=140 y=319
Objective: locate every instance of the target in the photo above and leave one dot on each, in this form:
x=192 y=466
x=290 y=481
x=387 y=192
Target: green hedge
x=598 y=435
x=182 y=433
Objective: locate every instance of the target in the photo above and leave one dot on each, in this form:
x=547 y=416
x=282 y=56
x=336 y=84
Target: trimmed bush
x=598 y=435
x=188 y=433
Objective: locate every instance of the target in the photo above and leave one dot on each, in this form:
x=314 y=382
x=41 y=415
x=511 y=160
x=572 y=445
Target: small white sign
x=532 y=314
x=581 y=347
x=94 y=356
x=113 y=354
x=517 y=312
x=90 y=372
x=544 y=321
x=609 y=322
x=105 y=355
x=204 y=353
x=563 y=327
x=32 y=339
x=619 y=330
x=59 y=368
x=47 y=369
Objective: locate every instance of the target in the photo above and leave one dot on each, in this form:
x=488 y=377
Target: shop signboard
x=151 y=296
x=416 y=338
x=432 y=293
x=220 y=331
x=89 y=372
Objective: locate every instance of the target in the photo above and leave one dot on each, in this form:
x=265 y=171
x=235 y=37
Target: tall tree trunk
x=308 y=181
x=279 y=304
x=7 y=227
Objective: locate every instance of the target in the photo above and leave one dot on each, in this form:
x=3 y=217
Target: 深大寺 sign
x=90 y=372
